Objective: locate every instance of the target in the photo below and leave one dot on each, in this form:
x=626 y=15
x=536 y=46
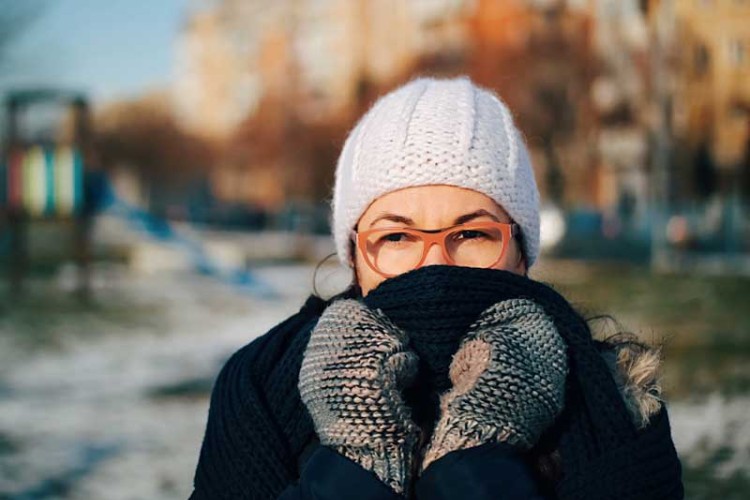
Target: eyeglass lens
x=397 y=251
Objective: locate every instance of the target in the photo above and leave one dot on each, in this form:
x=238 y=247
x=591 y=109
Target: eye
x=393 y=237
x=390 y=238
x=470 y=234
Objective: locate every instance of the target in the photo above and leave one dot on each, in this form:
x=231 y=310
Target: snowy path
x=115 y=406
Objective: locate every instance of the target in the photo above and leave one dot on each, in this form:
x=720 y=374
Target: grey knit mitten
x=508 y=381
x=352 y=372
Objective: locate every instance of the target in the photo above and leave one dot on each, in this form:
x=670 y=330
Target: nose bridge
x=434 y=254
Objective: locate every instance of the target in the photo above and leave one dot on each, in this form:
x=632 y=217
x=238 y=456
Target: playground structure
x=44 y=179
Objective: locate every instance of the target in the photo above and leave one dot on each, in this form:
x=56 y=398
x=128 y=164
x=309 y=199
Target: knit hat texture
x=436 y=131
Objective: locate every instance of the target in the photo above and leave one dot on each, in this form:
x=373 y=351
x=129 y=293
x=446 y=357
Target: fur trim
x=636 y=369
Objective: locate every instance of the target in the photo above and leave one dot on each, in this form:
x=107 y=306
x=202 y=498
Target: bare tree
x=144 y=136
x=545 y=77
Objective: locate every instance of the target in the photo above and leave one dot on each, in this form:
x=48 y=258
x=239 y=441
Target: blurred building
x=253 y=69
x=213 y=92
x=278 y=85
x=712 y=81
x=318 y=55
x=620 y=97
x=250 y=73
x=706 y=49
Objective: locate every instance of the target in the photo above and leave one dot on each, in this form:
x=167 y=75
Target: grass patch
x=703 y=321
x=196 y=388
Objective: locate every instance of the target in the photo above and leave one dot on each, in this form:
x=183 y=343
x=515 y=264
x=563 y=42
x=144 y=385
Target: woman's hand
x=353 y=370
x=508 y=381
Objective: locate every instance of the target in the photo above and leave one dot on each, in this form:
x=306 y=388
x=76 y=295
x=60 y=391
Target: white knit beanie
x=435 y=131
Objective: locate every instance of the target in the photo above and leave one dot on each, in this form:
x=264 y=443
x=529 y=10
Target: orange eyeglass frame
x=431 y=237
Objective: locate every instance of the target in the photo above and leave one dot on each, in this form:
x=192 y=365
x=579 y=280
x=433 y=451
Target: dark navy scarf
x=258 y=428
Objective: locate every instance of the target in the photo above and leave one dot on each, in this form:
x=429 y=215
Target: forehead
x=432 y=203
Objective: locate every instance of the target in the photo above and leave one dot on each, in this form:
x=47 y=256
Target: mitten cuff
x=392 y=464
x=451 y=435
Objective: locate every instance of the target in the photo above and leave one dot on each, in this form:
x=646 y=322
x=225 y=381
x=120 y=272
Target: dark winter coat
x=612 y=439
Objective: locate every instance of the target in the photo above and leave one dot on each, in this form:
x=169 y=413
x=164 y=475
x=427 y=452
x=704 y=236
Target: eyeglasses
x=395 y=250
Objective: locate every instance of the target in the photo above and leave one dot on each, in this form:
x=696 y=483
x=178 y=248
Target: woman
x=443 y=371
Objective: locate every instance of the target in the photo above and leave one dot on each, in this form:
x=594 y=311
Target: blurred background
x=166 y=170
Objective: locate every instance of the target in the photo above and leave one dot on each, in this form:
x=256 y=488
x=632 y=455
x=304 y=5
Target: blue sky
x=107 y=48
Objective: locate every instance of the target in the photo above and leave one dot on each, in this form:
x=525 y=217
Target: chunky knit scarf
x=258 y=427
x=435 y=305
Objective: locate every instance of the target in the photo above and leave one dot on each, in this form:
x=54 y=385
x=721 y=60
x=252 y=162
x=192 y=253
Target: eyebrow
x=474 y=215
x=459 y=220
x=393 y=218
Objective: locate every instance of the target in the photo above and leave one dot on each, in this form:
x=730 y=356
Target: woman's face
x=432 y=207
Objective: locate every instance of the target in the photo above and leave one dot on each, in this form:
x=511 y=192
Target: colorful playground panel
x=42 y=181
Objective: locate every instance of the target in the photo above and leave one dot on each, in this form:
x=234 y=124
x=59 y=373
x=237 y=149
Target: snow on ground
x=116 y=406
x=81 y=419
x=705 y=427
